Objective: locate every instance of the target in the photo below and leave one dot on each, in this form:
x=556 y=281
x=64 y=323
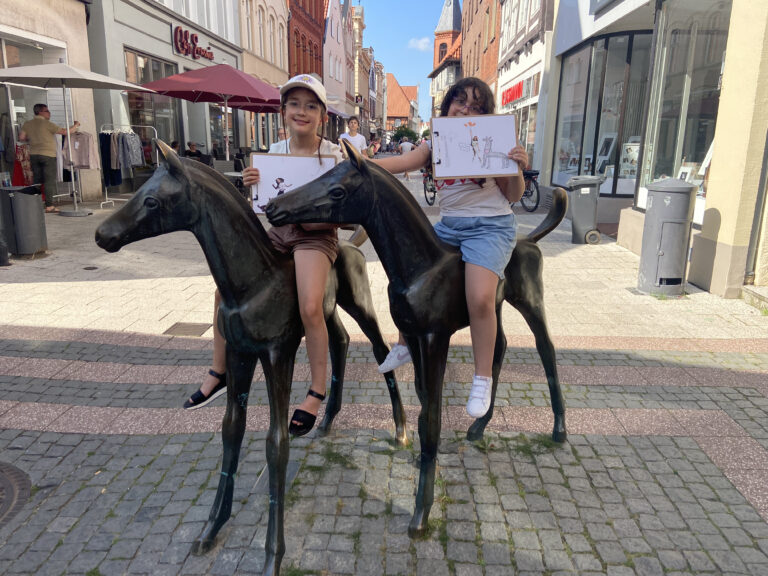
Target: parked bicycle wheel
x=531 y=198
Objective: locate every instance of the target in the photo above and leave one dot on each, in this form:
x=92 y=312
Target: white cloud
x=421 y=44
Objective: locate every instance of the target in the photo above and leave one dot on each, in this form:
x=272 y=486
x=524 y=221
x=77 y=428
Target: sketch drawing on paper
x=281 y=173
x=476 y=147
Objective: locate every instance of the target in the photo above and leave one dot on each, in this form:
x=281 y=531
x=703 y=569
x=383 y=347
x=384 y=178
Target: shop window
x=570 y=115
x=685 y=96
x=272 y=39
x=260 y=25
x=156 y=110
x=600 y=113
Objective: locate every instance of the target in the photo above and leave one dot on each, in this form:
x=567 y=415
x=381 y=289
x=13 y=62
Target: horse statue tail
x=554 y=216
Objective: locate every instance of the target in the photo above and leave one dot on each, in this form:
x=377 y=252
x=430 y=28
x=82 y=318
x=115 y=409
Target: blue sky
x=402 y=34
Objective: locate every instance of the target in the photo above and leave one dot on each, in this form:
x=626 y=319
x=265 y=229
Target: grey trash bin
x=23 y=220
x=666 y=233
x=585 y=190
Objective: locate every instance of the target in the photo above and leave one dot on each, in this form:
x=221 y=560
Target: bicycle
x=531 y=198
x=430 y=192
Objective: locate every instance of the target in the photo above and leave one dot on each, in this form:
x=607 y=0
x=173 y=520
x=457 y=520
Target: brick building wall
x=305 y=33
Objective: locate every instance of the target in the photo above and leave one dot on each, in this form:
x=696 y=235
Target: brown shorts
x=292 y=237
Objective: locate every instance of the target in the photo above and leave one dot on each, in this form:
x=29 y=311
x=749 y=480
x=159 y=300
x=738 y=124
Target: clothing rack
x=110 y=126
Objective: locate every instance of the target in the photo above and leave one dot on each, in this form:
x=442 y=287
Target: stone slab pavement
x=663 y=472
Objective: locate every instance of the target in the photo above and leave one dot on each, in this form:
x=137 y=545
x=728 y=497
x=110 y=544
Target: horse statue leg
x=525 y=292
x=355 y=298
x=338 y=340
x=240 y=370
x=278 y=372
x=430 y=354
x=477 y=429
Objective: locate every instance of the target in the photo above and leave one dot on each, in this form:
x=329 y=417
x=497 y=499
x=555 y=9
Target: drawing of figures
x=475 y=147
x=281 y=186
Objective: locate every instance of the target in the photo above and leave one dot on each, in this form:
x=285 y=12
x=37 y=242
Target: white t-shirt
x=464 y=197
x=406 y=147
x=358 y=140
x=327 y=148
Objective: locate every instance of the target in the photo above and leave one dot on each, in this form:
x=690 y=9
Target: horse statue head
x=172 y=199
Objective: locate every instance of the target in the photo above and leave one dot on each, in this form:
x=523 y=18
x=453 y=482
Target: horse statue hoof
x=476 y=430
x=559 y=432
x=201 y=547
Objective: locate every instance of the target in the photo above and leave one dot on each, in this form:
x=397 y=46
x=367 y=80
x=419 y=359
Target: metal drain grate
x=15 y=489
x=187 y=329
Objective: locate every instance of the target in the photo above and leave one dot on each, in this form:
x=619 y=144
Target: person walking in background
x=40 y=132
x=175 y=146
x=405 y=147
x=353 y=125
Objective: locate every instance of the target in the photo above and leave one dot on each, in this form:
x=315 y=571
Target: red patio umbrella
x=220 y=84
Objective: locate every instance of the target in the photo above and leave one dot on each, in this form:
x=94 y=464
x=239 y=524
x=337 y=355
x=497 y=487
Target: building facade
x=335 y=69
x=647 y=91
x=264 y=34
x=29 y=36
x=480 y=30
x=305 y=30
x=525 y=42
x=446 y=60
x=145 y=40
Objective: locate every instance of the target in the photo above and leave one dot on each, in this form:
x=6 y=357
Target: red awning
x=221 y=83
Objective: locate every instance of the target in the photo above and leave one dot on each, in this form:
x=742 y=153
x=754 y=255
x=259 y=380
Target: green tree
x=426 y=134
x=403 y=131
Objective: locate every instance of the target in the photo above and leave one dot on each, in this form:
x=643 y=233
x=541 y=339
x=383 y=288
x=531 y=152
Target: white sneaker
x=398 y=356
x=480 y=396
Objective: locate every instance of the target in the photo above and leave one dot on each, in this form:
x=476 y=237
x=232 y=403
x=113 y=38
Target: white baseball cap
x=308 y=82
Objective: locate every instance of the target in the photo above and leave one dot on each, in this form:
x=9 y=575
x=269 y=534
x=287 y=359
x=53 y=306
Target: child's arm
x=513 y=186
x=413 y=160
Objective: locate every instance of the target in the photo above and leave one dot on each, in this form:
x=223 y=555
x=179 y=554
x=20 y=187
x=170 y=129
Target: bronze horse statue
x=258 y=316
x=426 y=288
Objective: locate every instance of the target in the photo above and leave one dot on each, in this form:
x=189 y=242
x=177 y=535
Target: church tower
x=447 y=31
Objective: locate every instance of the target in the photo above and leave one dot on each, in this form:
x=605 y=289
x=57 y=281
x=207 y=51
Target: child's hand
x=251 y=176
x=519 y=155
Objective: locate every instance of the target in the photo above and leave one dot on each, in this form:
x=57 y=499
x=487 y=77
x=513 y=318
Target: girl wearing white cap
x=303 y=107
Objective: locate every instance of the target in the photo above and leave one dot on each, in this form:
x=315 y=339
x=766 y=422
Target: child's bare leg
x=312 y=268
x=481 y=285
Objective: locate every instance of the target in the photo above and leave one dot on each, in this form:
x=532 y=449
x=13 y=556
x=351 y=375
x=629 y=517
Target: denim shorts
x=485 y=241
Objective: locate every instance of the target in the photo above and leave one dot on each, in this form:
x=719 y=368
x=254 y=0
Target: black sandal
x=305 y=419
x=198 y=399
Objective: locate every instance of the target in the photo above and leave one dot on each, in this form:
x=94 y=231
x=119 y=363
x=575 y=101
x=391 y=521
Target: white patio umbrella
x=64 y=76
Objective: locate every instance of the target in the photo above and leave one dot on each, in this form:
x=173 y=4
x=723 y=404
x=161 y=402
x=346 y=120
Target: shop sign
x=187 y=44
x=515 y=92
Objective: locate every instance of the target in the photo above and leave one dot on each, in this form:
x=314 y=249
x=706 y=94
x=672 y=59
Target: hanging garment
x=112 y=177
x=114 y=151
x=22 y=169
x=131 y=153
x=81 y=149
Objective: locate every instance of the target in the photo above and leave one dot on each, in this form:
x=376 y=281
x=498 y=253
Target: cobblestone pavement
x=664 y=471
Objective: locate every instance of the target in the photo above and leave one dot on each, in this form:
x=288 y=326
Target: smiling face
x=466 y=104
x=303 y=112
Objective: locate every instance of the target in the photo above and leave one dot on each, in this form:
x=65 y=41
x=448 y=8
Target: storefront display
x=685 y=94
x=602 y=87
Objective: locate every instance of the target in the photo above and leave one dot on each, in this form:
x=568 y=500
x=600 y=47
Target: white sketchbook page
x=473 y=146
x=281 y=173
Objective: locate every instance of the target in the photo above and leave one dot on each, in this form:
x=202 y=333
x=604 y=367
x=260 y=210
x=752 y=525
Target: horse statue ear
x=171 y=159
x=352 y=153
